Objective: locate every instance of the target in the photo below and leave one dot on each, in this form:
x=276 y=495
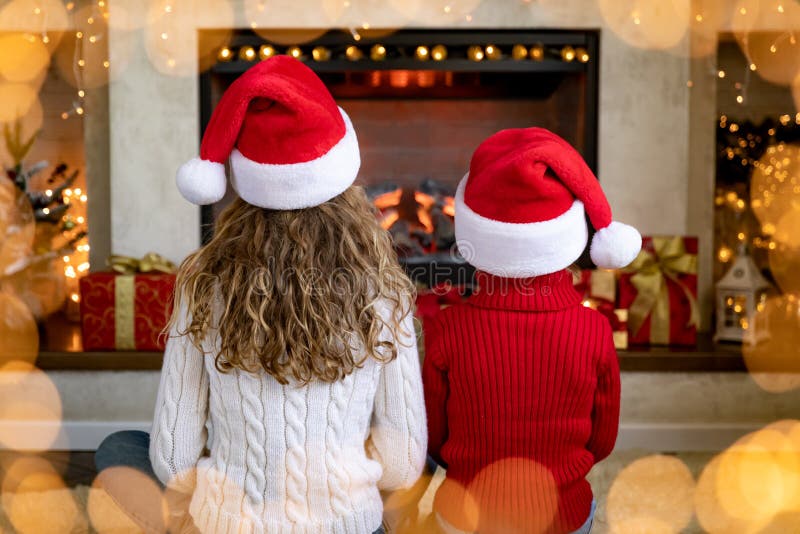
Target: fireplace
x=421 y=101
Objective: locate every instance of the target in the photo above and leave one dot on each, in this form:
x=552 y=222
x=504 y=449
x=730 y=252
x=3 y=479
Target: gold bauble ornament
x=18 y=332
x=439 y=53
x=17 y=228
x=475 y=53
x=377 y=52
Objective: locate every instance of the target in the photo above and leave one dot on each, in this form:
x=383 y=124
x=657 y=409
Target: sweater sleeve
x=437 y=389
x=605 y=414
x=398 y=435
x=179 y=434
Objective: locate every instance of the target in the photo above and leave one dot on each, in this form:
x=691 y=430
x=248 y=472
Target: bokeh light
x=16 y=100
x=22 y=58
x=772 y=348
x=706 y=20
x=17 y=227
x=36 y=500
x=84 y=62
x=17 y=330
x=182 y=39
x=652 y=494
x=41 y=287
x=647 y=24
x=784 y=257
x=765 y=31
x=131 y=489
x=496 y=490
x=753 y=486
x=47 y=18
x=775 y=185
x=29 y=397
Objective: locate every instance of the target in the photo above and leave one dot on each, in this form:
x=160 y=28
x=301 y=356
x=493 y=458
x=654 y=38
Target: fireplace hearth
x=421 y=101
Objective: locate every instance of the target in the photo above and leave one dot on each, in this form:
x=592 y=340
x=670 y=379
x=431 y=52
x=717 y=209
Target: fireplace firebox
x=421 y=101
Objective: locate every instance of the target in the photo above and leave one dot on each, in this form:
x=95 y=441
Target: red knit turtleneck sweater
x=522 y=393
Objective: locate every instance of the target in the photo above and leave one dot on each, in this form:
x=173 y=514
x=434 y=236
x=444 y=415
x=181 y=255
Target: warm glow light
x=377 y=52
x=493 y=52
x=266 y=51
x=568 y=54
x=247 y=53
x=321 y=53
x=519 y=52
x=353 y=53
x=582 y=54
x=225 y=54
x=721 y=73
x=439 y=53
x=475 y=53
x=75 y=297
x=724 y=254
x=422 y=53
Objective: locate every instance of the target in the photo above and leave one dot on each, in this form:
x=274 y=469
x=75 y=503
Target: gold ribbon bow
x=150 y=262
x=651 y=269
x=125 y=292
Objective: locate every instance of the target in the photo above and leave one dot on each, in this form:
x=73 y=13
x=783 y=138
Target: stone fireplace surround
x=655 y=160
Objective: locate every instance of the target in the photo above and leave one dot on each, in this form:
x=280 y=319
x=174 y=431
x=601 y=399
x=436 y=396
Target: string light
x=519 y=52
x=439 y=53
x=225 y=54
x=422 y=53
x=568 y=53
x=493 y=53
x=321 y=53
x=247 y=53
x=354 y=53
x=266 y=52
x=377 y=52
x=582 y=54
x=475 y=53
x=294 y=51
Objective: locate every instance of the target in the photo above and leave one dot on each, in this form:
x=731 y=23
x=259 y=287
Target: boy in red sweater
x=522 y=382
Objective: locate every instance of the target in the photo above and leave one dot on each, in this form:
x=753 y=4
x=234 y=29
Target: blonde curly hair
x=301 y=291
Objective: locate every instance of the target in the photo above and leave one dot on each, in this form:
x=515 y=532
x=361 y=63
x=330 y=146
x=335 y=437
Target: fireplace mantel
x=62 y=352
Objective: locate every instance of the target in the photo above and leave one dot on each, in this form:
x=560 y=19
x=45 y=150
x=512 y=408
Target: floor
x=77 y=471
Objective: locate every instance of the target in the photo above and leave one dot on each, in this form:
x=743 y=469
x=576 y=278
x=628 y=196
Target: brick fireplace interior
x=421 y=101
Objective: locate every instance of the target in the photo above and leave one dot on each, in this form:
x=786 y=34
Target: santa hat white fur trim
x=615 y=246
x=519 y=250
x=298 y=185
x=201 y=182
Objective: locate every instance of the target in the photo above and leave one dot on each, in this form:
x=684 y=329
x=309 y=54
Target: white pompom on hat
x=520 y=211
x=290 y=146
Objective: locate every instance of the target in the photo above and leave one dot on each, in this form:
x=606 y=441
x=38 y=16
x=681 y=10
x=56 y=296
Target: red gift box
x=125 y=311
x=659 y=290
x=596 y=285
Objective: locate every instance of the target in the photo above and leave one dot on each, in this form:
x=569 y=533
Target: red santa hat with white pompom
x=521 y=210
x=290 y=146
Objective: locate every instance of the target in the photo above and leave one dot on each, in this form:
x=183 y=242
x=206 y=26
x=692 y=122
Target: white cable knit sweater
x=262 y=458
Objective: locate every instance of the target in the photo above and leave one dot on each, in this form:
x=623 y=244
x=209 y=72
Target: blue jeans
x=587 y=526
x=130 y=448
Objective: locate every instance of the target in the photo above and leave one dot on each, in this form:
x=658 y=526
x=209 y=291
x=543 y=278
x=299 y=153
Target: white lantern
x=740 y=293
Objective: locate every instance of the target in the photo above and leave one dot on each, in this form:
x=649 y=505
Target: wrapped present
x=617 y=318
x=127 y=309
x=596 y=285
x=659 y=290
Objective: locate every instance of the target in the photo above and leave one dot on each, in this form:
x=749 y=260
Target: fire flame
x=388 y=200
